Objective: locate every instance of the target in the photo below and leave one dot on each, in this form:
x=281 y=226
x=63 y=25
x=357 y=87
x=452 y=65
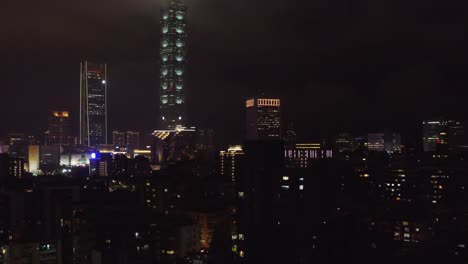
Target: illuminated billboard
x=75 y=160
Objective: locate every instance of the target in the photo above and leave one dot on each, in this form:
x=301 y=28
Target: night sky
x=338 y=65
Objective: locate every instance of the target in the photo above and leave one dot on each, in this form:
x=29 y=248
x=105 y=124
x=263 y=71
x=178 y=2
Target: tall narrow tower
x=172 y=70
x=93 y=104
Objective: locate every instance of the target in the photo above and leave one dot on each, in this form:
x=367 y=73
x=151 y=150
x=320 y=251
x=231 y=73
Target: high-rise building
x=59 y=129
x=443 y=135
x=129 y=140
x=432 y=136
x=231 y=162
x=118 y=138
x=133 y=140
x=93 y=104
x=172 y=70
x=389 y=142
x=301 y=155
x=263 y=119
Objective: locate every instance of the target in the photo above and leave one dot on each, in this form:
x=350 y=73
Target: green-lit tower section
x=172 y=52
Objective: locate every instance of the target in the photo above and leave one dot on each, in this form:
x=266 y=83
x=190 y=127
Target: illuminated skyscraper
x=93 y=104
x=172 y=68
x=263 y=119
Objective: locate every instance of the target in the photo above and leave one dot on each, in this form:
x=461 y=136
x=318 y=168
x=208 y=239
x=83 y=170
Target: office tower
x=231 y=162
x=118 y=138
x=93 y=104
x=432 y=136
x=301 y=155
x=16 y=167
x=443 y=135
x=59 y=129
x=133 y=140
x=263 y=119
x=172 y=52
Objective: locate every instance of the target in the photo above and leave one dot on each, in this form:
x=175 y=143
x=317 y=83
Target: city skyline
x=221 y=77
x=233 y=132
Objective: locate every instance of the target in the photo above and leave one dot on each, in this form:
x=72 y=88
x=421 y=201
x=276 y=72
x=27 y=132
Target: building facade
x=59 y=129
x=172 y=52
x=263 y=119
x=118 y=138
x=133 y=140
x=93 y=104
x=231 y=161
x=302 y=155
x=388 y=141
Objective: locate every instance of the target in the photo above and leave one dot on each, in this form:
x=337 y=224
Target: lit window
x=301 y=187
x=285 y=178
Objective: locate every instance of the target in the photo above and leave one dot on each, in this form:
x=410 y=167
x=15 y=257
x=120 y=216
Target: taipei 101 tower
x=172 y=68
